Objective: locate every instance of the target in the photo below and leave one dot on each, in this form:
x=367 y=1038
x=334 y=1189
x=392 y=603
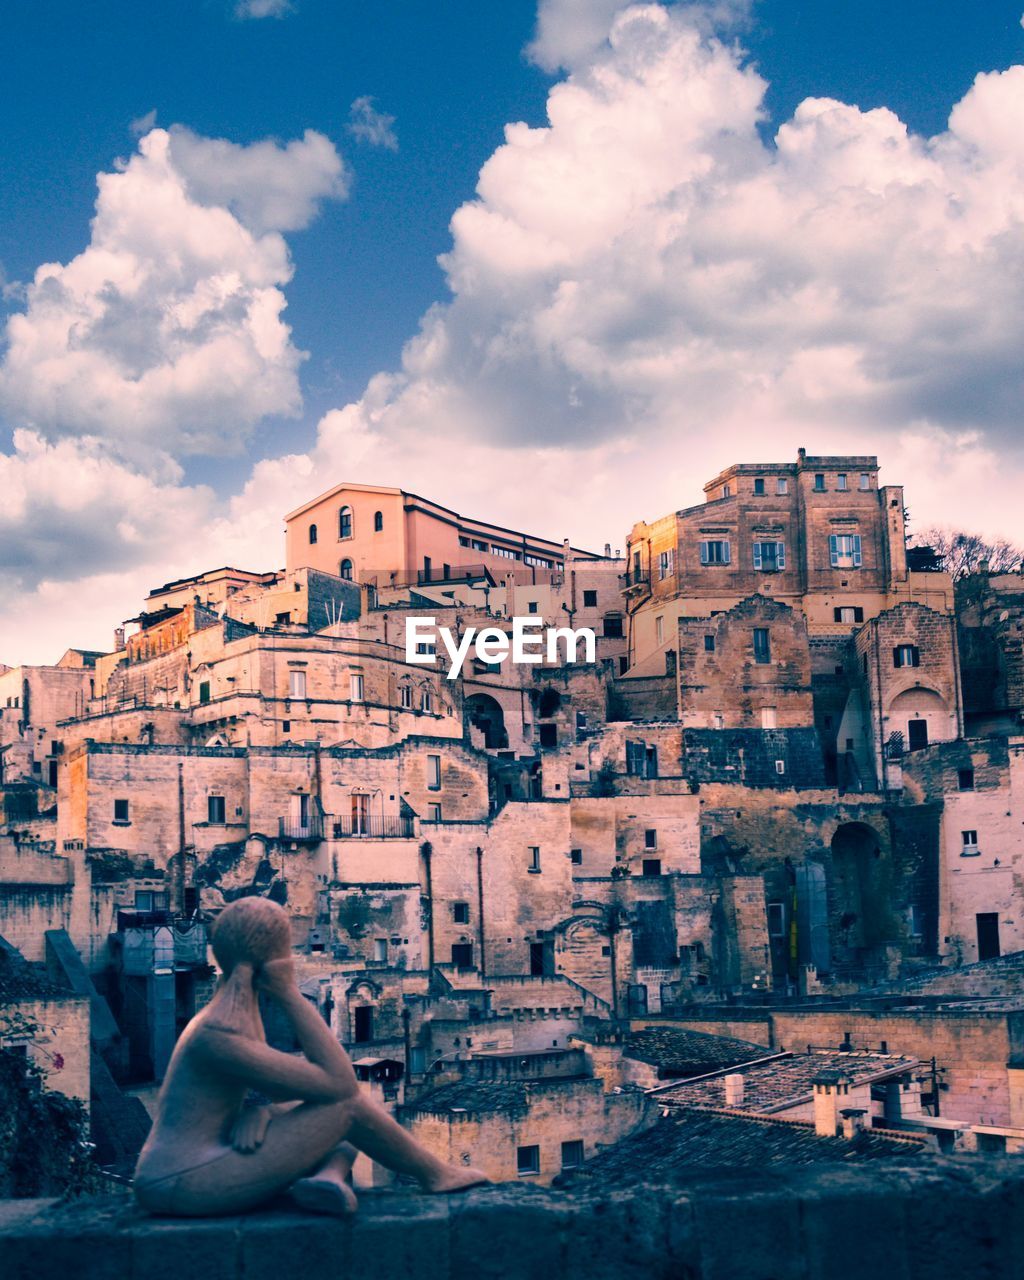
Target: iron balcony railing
x=395 y=826
x=296 y=829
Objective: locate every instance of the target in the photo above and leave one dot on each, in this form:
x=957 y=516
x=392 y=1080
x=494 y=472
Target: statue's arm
x=283 y=1075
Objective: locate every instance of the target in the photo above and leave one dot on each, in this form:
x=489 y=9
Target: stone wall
x=949 y=1218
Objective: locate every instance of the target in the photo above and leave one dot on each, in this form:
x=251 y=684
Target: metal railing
x=395 y=826
x=294 y=829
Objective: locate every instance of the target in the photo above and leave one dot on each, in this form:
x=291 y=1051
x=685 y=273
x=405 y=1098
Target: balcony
x=309 y=830
x=396 y=826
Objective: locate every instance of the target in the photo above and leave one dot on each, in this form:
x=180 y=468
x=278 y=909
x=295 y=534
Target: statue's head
x=251 y=931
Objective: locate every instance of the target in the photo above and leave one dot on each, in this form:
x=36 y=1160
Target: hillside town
x=744 y=884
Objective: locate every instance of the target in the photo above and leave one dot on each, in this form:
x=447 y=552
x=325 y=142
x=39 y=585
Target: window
x=659 y=629
x=759 y=486
x=782 y=485
x=426 y=646
x=405 y=696
x=534 y=862
x=433 y=773
x=715 y=551
x=286 y=726
x=433 y=812
x=709 y=644
x=906 y=655
x=969 y=840
x=865 y=480
x=841 y=482
x=762 y=645
x=641 y=760
x=532 y=606
x=848 y=613
x=576 y=857
x=776 y=919
x=844 y=550
x=665 y=564
x=726 y=490
x=462 y=955
x=380 y=950
x=613 y=626
x=378 y=521
x=282 y=618
x=527 y=1161
x=780 y=766
x=345 y=570
x=819 y=484
x=356 y=687
x=717 y=720
x=427 y=701
x=204 y=691
x=143 y=900
x=312 y=535
x=296 y=684
x=460 y=912
x=590 y=599
x=651 y=838
x=769 y=718
x=651 y=867
x=572 y=1154
x=345 y=522
x=121 y=812
x=965 y=779
x=769 y=557
x=215 y=810
x=915 y=920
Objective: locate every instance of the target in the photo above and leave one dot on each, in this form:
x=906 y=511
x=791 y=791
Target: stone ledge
x=957 y=1218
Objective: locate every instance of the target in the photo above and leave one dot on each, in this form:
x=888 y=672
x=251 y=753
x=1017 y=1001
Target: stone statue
x=209 y=1154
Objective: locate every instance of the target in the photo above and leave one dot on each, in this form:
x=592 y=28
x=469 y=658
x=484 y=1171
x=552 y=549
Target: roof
x=689 y=1143
x=489 y=1096
x=21 y=981
x=677 y=1051
x=785 y=1081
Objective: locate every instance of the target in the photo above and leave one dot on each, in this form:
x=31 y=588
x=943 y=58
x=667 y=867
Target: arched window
x=345 y=522
x=346 y=570
x=378 y=521
x=312 y=535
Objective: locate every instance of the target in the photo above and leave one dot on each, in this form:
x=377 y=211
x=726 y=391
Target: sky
x=550 y=264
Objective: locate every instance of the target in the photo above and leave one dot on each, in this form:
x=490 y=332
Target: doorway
x=917 y=735
x=988 y=934
x=362 y=1020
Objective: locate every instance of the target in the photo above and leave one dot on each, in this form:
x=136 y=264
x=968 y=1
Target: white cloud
x=367 y=124
x=165 y=333
x=142 y=124
x=263 y=8
x=643 y=291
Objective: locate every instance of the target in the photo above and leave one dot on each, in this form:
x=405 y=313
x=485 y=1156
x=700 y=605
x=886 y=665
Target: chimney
x=608 y=550
x=853 y=1122
x=734 y=1090
x=118 y=639
x=830 y=1090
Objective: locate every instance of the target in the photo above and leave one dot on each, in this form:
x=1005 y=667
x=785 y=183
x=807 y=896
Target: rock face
x=953 y=1218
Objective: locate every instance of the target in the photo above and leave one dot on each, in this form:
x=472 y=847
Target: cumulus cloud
x=165 y=334
x=646 y=279
x=367 y=124
x=142 y=124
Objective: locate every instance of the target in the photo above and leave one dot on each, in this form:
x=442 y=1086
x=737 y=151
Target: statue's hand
x=250 y=1129
x=276 y=977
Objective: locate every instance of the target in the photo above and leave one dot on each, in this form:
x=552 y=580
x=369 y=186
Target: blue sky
x=363 y=268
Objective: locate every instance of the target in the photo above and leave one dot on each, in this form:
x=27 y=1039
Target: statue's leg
x=383 y=1139
x=297 y=1142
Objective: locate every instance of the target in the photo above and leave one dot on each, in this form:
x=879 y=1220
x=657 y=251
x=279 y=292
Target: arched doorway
x=921 y=716
x=484 y=713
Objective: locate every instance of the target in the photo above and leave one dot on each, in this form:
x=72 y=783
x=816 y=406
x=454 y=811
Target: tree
x=964 y=553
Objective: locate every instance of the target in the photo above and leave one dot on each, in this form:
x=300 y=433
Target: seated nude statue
x=209 y=1154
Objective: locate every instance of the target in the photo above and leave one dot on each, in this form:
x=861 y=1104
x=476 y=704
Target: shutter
x=780 y=554
x=757 y=555
x=704 y=550
x=916 y=654
x=833 y=549
x=896 y=656
x=725 y=553
x=855 y=540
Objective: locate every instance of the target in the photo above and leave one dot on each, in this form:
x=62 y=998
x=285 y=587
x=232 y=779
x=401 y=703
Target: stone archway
x=484 y=713
x=860 y=913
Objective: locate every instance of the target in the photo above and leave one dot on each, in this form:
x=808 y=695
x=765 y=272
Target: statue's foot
x=324 y=1195
x=451 y=1178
